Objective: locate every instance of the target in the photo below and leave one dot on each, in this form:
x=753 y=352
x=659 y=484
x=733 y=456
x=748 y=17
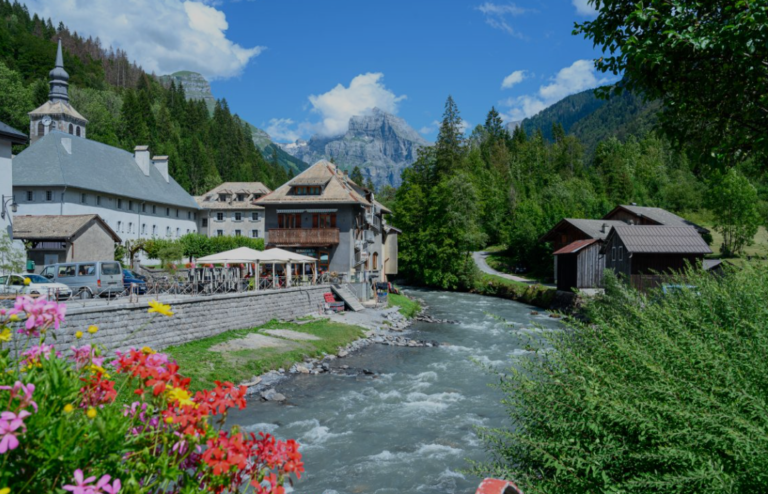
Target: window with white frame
x=154 y=230
x=119 y=204
x=119 y=225
x=238 y=216
x=219 y=216
x=238 y=233
x=130 y=227
x=130 y=205
x=255 y=233
x=30 y=196
x=83 y=198
x=48 y=195
x=613 y=253
x=154 y=209
x=205 y=222
x=98 y=200
x=219 y=233
x=143 y=228
x=621 y=253
x=255 y=216
x=167 y=211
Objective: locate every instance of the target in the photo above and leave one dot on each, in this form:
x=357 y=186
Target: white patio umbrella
x=281 y=256
x=239 y=255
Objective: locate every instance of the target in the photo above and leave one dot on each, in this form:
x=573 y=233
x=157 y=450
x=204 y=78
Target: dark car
x=130 y=277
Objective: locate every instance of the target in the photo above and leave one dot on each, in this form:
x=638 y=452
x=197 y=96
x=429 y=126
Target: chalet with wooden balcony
x=322 y=213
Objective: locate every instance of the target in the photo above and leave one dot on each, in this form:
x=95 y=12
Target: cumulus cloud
x=337 y=106
x=515 y=77
x=282 y=129
x=163 y=36
x=581 y=75
x=583 y=7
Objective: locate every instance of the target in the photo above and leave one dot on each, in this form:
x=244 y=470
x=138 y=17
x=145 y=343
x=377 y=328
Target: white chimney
x=141 y=155
x=161 y=163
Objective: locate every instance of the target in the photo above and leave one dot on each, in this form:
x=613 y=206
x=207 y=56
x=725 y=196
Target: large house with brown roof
x=322 y=213
x=231 y=209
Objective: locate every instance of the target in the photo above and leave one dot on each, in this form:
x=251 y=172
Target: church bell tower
x=57 y=113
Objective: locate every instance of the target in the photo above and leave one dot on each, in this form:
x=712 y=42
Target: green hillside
x=592 y=120
x=269 y=149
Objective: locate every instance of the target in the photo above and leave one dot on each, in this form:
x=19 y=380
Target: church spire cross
x=59 y=79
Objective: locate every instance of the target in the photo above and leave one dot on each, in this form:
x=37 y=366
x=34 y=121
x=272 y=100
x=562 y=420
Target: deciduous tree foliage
x=705 y=60
x=733 y=201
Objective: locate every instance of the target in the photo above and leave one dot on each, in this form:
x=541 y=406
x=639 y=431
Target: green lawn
x=407 y=307
x=758 y=249
x=205 y=366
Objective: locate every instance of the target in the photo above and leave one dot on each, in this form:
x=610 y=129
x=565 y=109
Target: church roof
x=57 y=108
x=60 y=159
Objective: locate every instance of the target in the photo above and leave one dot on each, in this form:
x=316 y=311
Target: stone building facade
x=230 y=209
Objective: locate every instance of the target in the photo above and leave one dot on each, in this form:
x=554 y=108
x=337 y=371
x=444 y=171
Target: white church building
x=63 y=173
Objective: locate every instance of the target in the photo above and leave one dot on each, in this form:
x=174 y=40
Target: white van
x=88 y=279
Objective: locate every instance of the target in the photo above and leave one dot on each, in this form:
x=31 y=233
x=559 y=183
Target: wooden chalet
x=644 y=255
x=570 y=230
x=640 y=215
x=579 y=265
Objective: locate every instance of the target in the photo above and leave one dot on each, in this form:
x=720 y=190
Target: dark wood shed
x=579 y=264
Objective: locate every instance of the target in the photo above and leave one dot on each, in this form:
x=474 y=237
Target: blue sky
x=299 y=67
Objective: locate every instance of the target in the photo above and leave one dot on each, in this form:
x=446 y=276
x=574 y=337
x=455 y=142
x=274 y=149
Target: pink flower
x=103 y=484
x=41 y=314
x=36 y=353
x=85 y=355
x=82 y=486
x=9 y=424
x=23 y=393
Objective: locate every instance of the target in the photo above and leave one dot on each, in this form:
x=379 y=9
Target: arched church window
x=77 y=131
x=71 y=129
x=40 y=128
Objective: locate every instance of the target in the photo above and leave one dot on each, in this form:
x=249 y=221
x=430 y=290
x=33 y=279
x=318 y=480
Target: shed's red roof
x=575 y=246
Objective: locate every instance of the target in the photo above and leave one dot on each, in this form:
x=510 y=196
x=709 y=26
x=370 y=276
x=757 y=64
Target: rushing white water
x=411 y=427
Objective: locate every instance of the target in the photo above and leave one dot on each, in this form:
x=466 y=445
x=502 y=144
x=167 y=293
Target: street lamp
x=14 y=206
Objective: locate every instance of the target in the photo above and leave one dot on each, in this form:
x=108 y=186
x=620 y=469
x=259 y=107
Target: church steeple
x=56 y=113
x=59 y=79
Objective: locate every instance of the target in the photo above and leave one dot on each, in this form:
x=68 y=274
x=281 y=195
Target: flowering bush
x=88 y=423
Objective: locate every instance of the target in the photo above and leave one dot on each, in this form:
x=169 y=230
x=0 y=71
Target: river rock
x=301 y=369
x=253 y=382
x=342 y=353
x=272 y=395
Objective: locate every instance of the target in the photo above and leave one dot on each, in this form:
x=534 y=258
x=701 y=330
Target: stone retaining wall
x=121 y=325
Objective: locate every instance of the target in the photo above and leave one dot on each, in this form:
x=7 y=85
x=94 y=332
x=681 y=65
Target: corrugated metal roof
x=96 y=167
x=574 y=247
x=662 y=239
x=661 y=216
x=55 y=227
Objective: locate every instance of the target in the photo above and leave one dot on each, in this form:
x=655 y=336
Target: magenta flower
x=10 y=423
x=23 y=393
x=36 y=353
x=82 y=485
x=103 y=484
x=85 y=355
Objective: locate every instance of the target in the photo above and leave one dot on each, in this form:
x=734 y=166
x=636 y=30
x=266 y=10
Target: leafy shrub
x=659 y=393
x=129 y=420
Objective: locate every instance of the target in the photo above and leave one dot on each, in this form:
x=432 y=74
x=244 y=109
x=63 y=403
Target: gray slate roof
x=12 y=134
x=661 y=239
x=95 y=167
x=661 y=216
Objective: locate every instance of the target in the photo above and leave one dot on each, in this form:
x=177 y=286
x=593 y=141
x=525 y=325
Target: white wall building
x=230 y=210
x=63 y=173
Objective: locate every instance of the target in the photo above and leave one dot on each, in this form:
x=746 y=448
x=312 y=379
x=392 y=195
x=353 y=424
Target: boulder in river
x=272 y=395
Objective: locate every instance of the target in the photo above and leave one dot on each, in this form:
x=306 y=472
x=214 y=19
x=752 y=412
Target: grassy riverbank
x=406 y=306
x=240 y=355
x=496 y=286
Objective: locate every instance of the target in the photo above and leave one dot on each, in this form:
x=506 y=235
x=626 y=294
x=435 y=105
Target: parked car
x=38 y=285
x=129 y=277
x=88 y=279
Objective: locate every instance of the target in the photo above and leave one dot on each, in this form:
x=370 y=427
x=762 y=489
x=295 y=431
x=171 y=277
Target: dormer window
x=223 y=197
x=241 y=197
x=307 y=190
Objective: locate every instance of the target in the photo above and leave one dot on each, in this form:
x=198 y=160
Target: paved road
x=479 y=258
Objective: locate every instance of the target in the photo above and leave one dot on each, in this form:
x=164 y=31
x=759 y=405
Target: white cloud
x=337 y=106
x=496 y=16
x=580 y=76
x=280 y=129
x=515 y=77
x=583 y=7
x=163 y=36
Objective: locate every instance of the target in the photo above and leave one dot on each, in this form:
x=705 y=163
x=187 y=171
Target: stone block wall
x=125 y=325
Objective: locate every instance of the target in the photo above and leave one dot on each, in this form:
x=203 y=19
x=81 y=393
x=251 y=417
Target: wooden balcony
x=303 y=237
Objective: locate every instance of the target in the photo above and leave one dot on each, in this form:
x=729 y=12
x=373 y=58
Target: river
x=409 y=428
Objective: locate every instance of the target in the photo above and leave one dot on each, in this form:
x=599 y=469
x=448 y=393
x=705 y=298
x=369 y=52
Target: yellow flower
x=169 y=420
x=91 y=413
x=79 y=335
x=15 y=318
x=163 y=309
x=5 y=335
x=27 y=281
x=181 y=396
x=93 y=329
x=5 y=490
x=96 y=369
x=147 y=351
x=68 y=408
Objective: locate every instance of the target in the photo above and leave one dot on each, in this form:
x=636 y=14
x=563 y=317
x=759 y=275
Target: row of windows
x=74 y=130
x=129 y=228
x=238 y=233
x=237 y=216
x=121 y=204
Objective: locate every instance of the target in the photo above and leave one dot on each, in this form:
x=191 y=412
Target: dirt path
x=482 y=263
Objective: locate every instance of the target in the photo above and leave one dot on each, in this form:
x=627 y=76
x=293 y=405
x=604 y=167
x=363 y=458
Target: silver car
x=88 y=279
x=37 y=285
